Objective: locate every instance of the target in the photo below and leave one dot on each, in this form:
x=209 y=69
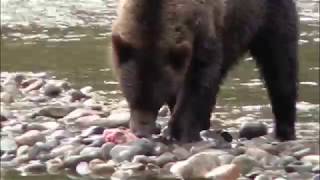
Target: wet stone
x=52 y=90
x=251 y=130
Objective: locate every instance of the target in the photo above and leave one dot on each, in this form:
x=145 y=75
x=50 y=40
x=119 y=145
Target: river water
x=70 y=39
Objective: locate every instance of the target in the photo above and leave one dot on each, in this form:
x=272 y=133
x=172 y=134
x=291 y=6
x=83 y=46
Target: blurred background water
x=70 y=39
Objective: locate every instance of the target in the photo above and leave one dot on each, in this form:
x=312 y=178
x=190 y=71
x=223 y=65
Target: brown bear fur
x=177 y=52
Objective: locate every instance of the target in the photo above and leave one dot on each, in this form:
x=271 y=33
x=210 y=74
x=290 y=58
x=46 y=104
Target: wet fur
x=201 y=40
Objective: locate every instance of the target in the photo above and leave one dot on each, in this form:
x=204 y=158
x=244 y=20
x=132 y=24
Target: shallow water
x=70 y=39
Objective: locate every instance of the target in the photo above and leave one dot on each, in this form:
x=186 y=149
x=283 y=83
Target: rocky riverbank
x=49 y=127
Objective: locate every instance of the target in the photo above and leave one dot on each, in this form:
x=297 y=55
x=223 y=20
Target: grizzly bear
x=177 y=52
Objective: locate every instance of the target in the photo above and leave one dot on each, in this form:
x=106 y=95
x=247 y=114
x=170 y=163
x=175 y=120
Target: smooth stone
x=285 y=160
x=261 y=156
x=23 y=150
x=72 y=161
x=35 y=126
x=313 y=159
x=105 y=150
x=181 y=153
x=7 y=157
x=115 y=120
x=29 y=138
x=92 y=152
x=225 y=172
x=316 y=169
x=263 y=177
x=77 y=95
x=126 y=152
x=251 y=130
x=83 y=168
x=81 y=112
x=9 y=164
x=52 y=90
x=34 y=168
x=226 y=159
x=54 y=166
x=142 y=159
x=160 y=148
x=22 y=159
x=304 y=152
x=92 y=130
x=97 y=143
x=60 y=134
x=246 y=163
x=316 y=177
x=34 y=151
x=135 y=166
x=164 y=111
x=102 y=168
x=164 y=159
x=6 y=98
x=35 y=85
x=196 y=166
x=8 y=143
x=62 y=150
x=298 y=166
x=55 y=111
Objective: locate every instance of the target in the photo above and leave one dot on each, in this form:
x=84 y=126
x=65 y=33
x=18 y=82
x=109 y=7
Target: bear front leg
x=198 y=96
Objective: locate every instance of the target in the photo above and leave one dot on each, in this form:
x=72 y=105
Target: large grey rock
x=251 y=130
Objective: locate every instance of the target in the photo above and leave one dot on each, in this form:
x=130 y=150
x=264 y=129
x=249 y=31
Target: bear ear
x=122 y=50
x=181 y=55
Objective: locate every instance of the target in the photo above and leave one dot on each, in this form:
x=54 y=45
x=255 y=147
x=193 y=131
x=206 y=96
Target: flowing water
x=70 y=39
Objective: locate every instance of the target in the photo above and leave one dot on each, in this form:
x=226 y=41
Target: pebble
x=54 y=166
x=126 y=152
x=251 y=130
x=6 y=97
x=51 y=90
x=313 y=159
x=99 y=167
x=246 y=163
x=224 y=172
x=298 y=166
x=55 y=111
x=37 y=84
x=196 y=166
x=29 y=138
x=34 y=168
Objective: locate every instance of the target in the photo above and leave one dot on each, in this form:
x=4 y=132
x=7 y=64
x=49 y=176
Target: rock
x=34 y=168
x=316 y=169
x=160 y=148
x=263 y=177
x=316 y=177
x=62 y=150
x=91 y=131
x=55 y=111
x=102 y=168
x=8 y=143
x=303 y=152
x=225 y=172
x=126 y=152
x=164 y=111
x=298 y=166
x=23 y=150
x=77 y=95
x=285 y=160
x=6 y=98
x=34 y=85
x=7 y=157
x=54 y=166
x=225 y=159
x=83 y=168
x=29 y=138
x=118 y=119
x=251 y=130
x=142 y=159
x=246 y=163
x=261 y=156
x=52 y=90
x=197 y=165
x=105 y=150
x=81 y=112
x=164 y=159
x=90 y=120
x=313 y=159
x=74 y=160
x=181 y=153
x=92 y=152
